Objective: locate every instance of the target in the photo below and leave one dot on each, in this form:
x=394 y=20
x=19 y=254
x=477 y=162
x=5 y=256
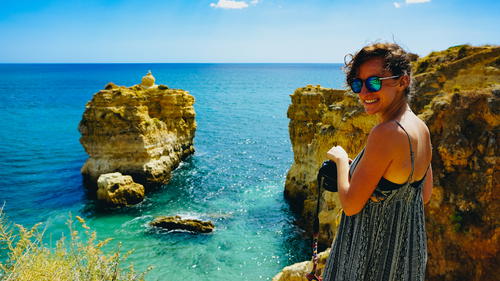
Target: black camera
x=327 y=176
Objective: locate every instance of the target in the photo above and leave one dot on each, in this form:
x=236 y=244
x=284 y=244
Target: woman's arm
x=427 y=192
x=381 y=145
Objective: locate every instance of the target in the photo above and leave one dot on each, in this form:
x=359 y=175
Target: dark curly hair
x=396 y=60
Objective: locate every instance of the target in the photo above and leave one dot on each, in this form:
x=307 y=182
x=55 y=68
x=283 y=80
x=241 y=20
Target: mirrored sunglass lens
x=373 y=84
x=356 y=85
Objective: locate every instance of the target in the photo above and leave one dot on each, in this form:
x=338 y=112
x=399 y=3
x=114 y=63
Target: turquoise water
x=235 y=178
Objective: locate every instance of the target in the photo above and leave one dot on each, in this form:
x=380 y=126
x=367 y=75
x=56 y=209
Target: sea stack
x=457 y=94
x=143 y=131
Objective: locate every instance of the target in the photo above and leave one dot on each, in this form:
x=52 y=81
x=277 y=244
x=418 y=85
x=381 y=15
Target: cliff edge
x=457 y=94
x=143 y=131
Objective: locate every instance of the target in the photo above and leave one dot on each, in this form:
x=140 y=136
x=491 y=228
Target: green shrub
x=25 y=257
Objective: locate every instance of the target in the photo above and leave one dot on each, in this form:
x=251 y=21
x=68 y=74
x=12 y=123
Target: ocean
x=235 y=178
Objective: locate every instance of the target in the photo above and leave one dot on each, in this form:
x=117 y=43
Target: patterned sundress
x=386 y=240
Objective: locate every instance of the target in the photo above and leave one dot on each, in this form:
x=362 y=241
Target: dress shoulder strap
x=411 y=153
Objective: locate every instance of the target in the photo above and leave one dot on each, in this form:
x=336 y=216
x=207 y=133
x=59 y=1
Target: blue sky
x=235 y=31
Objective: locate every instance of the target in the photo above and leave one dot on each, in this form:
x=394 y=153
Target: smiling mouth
x=370 y=101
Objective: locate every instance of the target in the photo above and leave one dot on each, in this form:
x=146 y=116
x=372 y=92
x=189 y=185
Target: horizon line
x=171 y=63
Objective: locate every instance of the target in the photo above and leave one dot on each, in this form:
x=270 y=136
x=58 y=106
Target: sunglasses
x=372 y=83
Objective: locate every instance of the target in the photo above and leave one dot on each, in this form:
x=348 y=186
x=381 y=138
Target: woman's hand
x=337 y=154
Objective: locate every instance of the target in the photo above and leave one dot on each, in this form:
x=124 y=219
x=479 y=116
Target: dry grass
x=27 y=258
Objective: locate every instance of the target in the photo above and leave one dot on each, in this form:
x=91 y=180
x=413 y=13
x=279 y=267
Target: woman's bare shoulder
x=388 y=135
x=389 y=131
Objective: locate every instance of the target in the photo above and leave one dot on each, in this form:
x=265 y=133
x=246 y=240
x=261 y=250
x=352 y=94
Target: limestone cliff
x=457 y=93
x=143 y=131
x=463 y=118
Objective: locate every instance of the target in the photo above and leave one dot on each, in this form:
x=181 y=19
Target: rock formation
x=298 y=271
x=143 y=131
x=177 y=223
x=457 y=94
x=463 y=118
x=118 y=190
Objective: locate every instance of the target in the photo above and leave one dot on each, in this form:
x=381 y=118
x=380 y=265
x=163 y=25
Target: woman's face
x=388 y=96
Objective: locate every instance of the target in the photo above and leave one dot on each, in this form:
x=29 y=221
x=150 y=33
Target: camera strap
x=313 y=275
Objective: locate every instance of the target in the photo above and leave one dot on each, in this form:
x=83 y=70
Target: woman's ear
x=404 y=82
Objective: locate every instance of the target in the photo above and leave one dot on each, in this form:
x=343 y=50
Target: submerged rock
x=119 y=190
x=177 y=223
x=143 y=131
x=457 y=95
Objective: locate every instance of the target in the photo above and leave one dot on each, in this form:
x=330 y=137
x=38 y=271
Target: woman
x=382 y=231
